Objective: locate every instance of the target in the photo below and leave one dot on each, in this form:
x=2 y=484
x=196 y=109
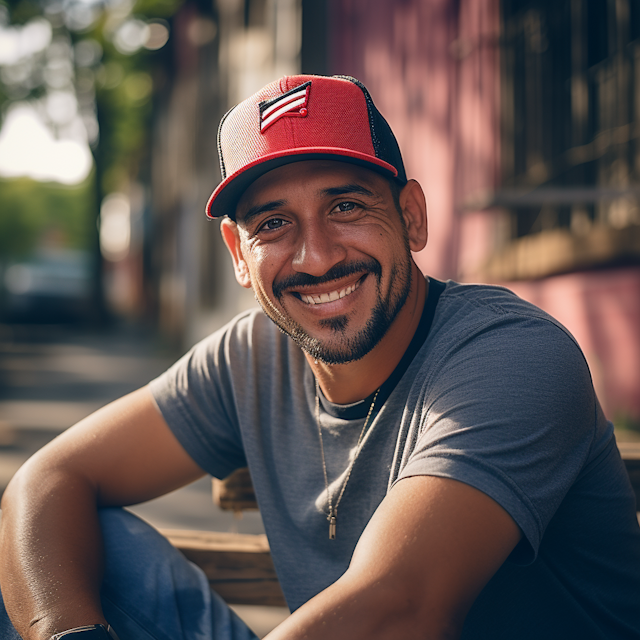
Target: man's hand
x=49 y=534
x=421 y=562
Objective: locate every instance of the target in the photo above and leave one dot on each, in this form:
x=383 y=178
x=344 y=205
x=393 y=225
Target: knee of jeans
x=122 y=530
x=130 y=544
x=145 y=578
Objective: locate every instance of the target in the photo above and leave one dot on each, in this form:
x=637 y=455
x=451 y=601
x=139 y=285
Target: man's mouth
x=303 y=284
x=329 y=296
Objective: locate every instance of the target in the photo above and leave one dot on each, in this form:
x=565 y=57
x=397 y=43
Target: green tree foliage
x=36 y=213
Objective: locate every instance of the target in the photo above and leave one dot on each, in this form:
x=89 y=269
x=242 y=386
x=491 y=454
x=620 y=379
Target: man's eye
x=346 y=206
x=273 y=224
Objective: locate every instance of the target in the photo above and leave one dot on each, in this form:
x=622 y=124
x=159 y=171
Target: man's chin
x=327 y=355
x=342 y=349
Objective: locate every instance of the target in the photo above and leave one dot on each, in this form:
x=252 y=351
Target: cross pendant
x=332 y=527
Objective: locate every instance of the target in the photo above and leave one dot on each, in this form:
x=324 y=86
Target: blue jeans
x=151 y=592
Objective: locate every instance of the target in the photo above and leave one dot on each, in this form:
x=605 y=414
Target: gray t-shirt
x=498 y=396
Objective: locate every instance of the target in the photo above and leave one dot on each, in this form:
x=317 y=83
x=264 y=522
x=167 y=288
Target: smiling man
x=430 y=459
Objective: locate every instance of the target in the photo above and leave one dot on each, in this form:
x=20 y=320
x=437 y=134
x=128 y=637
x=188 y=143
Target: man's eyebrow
x=261 y=208
x=345 y=189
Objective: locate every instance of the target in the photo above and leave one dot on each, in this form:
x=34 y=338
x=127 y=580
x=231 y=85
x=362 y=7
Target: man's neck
x=354 y=381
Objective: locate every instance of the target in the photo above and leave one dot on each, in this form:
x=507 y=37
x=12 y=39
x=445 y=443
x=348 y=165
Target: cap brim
x=224 y=199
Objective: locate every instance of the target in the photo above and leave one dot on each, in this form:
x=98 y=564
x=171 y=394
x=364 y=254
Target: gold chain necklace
x=333 y=510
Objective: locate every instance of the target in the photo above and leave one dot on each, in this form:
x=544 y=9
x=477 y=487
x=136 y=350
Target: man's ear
x=231 y=237
x=414 y=211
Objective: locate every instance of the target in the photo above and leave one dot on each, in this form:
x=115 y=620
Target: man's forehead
x=318 y=178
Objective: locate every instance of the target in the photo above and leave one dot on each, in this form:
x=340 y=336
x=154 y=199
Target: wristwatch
x=92 y=632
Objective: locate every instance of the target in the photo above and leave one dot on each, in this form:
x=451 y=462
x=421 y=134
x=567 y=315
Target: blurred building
x=519 y=118
x=223 y=52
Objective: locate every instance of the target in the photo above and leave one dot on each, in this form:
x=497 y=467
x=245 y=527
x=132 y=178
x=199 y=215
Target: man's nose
x=318 y=250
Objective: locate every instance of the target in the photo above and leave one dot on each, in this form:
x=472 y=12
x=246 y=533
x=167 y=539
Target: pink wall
x=602 y=311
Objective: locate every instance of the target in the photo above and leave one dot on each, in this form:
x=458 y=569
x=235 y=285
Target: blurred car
x=52 y=286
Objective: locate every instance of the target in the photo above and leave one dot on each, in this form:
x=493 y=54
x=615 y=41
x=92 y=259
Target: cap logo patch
x=292 y=103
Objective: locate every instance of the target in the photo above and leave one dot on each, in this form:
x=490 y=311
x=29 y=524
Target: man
x=430 y=460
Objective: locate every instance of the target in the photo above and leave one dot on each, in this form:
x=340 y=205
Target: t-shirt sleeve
x=195 y=397
x=510 y=411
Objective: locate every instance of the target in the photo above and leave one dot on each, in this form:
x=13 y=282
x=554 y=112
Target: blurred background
x=521 y=119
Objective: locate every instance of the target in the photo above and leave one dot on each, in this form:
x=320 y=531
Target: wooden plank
x=559 y=251
x=238 y=566
x=235 y=492
x=629 y=450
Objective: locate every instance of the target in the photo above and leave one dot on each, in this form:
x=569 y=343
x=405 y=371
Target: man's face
x=326 y=251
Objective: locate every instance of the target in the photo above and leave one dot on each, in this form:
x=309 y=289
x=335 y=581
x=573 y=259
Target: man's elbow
x=412 y=610
x=17 y=486
x=40 y=481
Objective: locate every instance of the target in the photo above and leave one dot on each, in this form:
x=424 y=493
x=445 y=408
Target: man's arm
x=50 y=539
x=421 y=562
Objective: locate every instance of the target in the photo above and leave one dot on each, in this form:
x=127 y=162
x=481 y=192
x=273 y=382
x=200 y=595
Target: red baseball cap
x=301 y=118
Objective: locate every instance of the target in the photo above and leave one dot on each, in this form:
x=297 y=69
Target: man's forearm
x=50 y=548
x=348 y=611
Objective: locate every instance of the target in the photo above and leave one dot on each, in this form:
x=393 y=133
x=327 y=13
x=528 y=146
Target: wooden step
x=235 y=492
x=238 y=566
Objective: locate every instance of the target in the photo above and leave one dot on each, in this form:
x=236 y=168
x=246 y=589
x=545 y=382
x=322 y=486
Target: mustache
x=336 y=272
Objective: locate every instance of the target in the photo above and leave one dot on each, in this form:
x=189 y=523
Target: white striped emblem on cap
x=292 y=103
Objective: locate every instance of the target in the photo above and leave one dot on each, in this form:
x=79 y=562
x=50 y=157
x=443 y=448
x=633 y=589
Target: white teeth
x=331 y=296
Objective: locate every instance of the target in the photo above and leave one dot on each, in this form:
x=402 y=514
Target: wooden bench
x=239 y=566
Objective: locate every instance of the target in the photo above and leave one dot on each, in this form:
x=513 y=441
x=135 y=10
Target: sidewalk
x=53 y=376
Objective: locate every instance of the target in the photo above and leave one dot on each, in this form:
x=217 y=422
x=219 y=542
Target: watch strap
x=90 y=632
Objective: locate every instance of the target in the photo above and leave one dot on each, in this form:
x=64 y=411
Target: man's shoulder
x=486 y=318
x=247 y=319
x=249 y=336
x=485 y=304
x=492 y=298
x=244 y=327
